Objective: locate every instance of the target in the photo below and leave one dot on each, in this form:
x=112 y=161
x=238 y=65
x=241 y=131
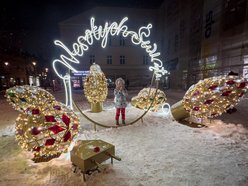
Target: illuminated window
x=176 y=43
x=109 y=60
x=245 y=67
x=122 y=60
x=92 y=59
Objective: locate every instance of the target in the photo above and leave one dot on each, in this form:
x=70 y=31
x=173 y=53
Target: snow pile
x=236 y=132
x=8 y=131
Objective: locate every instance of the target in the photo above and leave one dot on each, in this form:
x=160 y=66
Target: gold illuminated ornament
x=46 y=134
x=95 y=88
x=213 y=96
x=145 y=98
x=45 y=127
x=22 y=97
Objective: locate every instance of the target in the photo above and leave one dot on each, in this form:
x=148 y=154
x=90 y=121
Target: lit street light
x=35 y=80
x=6 y=63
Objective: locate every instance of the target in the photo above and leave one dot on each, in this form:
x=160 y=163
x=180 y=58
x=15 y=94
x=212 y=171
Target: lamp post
x=34 y=79
x=7 y=80
x=45 y=78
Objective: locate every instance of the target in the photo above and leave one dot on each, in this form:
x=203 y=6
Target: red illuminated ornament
x=50 y=119
x=241 y=94
x=230 y=82
x=35 y=111
x=35 y=131
x=67 y=136
x=36 y=149
x=57 y=107
x=66 y=120
x=242 y=85
x=227 y=93
x=208 y=102
x=50 y=141
x=56 y=129
x=196 y=108
x=196 y=93
x=213 y=87
x=75 y=127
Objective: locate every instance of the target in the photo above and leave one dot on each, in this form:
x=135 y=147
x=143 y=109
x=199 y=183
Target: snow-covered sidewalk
x=158 y=151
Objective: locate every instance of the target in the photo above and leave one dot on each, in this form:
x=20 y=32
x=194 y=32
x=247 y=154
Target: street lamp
x=34 y=79
x=6 y=69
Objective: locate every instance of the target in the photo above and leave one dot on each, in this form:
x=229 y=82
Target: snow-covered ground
x=158 y=151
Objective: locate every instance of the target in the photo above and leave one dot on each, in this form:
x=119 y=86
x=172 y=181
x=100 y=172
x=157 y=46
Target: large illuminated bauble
x=147 y=98
x=95 y=85
x=213 y=96
x=22 y=97
x=49 y=133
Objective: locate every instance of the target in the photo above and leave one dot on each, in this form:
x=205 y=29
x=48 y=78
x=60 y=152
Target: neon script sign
x=102 y=33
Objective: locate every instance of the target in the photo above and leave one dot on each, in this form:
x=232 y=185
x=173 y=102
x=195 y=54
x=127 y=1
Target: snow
x=158 y=151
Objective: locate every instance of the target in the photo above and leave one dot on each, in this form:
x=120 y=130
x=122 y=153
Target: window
x=176 y=43
x=122 y=60
x=145 y=60
x=109 y=60
x=122 y=41
x=109 y=41
x=234 y=13
x=92 y=59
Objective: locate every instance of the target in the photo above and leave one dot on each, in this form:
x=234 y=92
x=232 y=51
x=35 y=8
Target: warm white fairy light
x=149 y=97
x=95 y=85
x=21 y=97
x=47 y=134
x=102 y=33
x=213 y=96
x=45 y=127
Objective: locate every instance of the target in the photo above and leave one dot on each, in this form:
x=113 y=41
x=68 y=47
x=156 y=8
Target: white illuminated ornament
x=102 y=33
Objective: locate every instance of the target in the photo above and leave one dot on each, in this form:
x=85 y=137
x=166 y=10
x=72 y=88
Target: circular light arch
x=101 y=33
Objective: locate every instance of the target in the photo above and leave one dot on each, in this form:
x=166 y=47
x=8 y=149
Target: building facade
x=203 y=38
x=197 y=39
x=120 y=58
x=18 y=68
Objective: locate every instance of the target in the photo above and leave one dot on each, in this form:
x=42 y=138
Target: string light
x=21 y=97
x=45 y=127
x=145 y=98
x=213 y=96
x=95 y=85
x=102 y=33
